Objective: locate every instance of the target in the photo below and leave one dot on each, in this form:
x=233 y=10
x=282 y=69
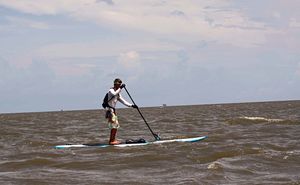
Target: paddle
x=155 y=135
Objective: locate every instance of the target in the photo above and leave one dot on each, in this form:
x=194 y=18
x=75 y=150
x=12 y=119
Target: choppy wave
x=253 y=120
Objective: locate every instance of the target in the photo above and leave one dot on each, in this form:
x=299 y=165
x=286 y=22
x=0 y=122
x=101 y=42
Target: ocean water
x=248 y=143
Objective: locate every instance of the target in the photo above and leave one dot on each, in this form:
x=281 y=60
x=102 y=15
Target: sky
x=65 y=54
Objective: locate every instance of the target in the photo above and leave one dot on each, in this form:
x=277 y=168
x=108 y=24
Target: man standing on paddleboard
x=109 y=103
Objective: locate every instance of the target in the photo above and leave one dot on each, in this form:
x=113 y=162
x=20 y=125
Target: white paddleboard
x=99 y=145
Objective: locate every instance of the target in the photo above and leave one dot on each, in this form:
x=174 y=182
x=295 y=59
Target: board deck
x=99 y=145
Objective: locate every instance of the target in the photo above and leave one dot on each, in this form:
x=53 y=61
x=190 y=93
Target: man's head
x=117 y=81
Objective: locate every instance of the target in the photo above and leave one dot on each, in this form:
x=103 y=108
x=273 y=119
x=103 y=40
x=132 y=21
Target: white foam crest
x=261 y=119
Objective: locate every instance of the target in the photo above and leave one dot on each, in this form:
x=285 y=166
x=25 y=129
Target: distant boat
x=164 y=105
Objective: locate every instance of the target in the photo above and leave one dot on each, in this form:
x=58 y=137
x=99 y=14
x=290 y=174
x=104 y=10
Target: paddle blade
x=157 y=138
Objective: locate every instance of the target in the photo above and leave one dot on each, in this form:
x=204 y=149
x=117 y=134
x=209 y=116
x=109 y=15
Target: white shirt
x=117 y=97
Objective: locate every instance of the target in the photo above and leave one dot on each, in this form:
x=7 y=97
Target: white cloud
x=52 y=7
x=18 y=22
x=130 y=59
x=156 y=17
x=276 y=15
x=294 y=23
x=101 y=48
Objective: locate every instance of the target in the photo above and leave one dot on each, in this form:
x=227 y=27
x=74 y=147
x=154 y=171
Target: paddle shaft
x=155 y=135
